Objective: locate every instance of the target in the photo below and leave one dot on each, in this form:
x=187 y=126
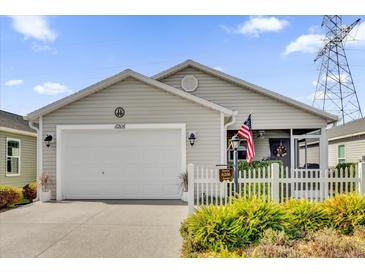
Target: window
x=341 y=154
x=12 y=157
x=242 y=152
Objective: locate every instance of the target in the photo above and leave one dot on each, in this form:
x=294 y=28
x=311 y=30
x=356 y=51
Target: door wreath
x=280 y=150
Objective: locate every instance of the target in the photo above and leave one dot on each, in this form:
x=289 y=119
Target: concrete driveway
x=93 y=229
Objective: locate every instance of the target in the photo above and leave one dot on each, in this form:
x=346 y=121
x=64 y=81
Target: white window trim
x=62 y=128
x=6 y=157
x=344 y=148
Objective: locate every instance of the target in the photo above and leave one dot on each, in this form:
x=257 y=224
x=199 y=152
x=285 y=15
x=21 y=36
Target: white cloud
x=15 y=82
x=35 y=27
x=43 y=48
x=259 y=24
x=306 y=43
x=313 y=41
x=50 y=88
x=218 y=68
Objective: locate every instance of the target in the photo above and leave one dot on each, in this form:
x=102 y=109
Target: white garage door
x=121 y=164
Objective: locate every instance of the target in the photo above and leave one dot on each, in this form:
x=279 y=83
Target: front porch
x=291 y=146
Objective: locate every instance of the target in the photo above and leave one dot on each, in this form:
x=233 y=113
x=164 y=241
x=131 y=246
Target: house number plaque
x=119 y=112
x=225 y=174
x=119 y=126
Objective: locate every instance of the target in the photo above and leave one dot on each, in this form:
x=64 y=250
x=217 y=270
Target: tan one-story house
x=18 y=150
x=130 y=136
x=346 y=143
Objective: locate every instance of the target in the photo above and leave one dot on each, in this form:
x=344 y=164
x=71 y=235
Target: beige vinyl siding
x=28 y=160
x=354 y=149
x=142 y=104
x=332 y=155
x=268 y=113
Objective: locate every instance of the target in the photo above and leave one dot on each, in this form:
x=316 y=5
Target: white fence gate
x=278 y=184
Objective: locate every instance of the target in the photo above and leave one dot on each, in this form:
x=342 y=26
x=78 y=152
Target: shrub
x=242 y=222
x=274 y=244
x=255 y=227
x=10 y=195
x=345 y=211
x=211 y=228
x=30 y=191
x=221 y=254
x=343 y=166
x=326 y=243
x=244 y=166
x=329 y=243
x=257 y=215
x=303 y=216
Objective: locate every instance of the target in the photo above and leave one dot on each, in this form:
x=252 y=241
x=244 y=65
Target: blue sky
x=46 y=58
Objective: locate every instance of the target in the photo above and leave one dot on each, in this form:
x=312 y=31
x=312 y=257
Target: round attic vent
x=189 y=83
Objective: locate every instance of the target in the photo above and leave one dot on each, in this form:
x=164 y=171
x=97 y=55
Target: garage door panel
x=151 y=190
x=110 y=164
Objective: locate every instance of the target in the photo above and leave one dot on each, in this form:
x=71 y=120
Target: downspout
x=232 y=121
x=32 y=126
x=234 y=114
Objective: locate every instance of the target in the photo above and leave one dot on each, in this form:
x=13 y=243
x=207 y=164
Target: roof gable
x=234 y=80
x=117 y=78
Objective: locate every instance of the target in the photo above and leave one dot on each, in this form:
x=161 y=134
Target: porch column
x=292 y=164
x=323 y=150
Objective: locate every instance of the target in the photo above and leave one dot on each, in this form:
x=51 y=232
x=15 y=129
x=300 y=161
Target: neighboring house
x=18 y=146
x=128 y=136
x=346 y=143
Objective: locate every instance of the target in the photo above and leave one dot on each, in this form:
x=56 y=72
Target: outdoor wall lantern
x=48 y=140
x=192 y=138
x=261 y=134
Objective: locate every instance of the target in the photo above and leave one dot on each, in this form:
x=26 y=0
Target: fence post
x=325 y=182
x=361 y=174
x=275 y=172
x=191 y=188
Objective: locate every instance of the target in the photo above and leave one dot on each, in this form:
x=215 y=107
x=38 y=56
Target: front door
x=280 y=150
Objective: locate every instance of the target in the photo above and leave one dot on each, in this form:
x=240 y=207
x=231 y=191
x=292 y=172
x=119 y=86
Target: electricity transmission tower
x=335 y=90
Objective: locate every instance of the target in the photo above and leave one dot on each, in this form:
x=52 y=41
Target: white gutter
x=234 y=114
x=17 y=131
x=32 y=126
x=231 y=122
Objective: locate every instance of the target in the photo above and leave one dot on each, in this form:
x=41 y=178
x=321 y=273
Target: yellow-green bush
x=10 y=195
x=227 y=227
x=345 y=211
x=245 y=221
x=302 y=216
x=30 y=191
x=211 y=228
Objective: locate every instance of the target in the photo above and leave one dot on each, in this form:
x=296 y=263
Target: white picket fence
x=273 y=183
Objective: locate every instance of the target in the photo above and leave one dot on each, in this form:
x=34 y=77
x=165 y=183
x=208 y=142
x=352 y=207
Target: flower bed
x=237 y=227
x=12 y=196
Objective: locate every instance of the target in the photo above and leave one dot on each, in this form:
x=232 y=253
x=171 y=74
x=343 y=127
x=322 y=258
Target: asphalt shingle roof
x=14 y=121
x=350 y=128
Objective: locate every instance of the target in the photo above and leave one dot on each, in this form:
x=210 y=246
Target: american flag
x=246 y=133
